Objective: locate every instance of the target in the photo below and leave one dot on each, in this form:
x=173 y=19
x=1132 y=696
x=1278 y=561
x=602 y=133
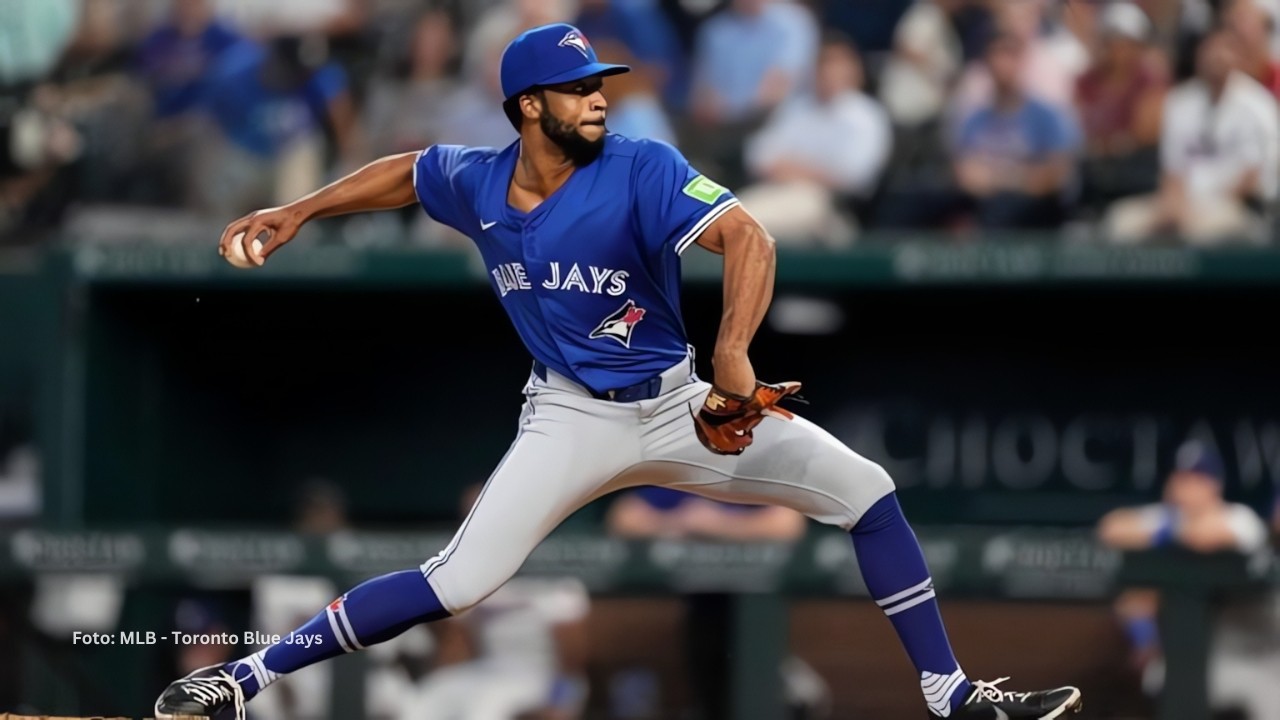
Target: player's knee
x=882 y=480
x=459 y=591
x=862 y=489
x=869 y=483
x=459 y=597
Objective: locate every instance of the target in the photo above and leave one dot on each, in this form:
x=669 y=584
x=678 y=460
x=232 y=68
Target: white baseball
x=236 y=255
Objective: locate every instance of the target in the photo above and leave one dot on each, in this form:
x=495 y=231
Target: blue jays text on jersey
x=590 y=277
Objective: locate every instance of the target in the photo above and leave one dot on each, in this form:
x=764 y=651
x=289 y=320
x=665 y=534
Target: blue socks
x=373 y=612
x=894 y=570
x=889 y=557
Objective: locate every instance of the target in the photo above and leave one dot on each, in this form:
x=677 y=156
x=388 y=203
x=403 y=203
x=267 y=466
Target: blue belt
x=643 y=390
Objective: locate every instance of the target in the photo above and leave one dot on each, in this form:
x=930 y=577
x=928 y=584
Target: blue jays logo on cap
x=550 y=55
x=574 y=39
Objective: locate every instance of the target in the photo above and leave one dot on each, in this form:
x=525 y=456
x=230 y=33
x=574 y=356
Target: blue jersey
x=590 y=277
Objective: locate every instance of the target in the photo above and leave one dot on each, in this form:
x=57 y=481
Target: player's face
x=1192 y=491
x=573 y=117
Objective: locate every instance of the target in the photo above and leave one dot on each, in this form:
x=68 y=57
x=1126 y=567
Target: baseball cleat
x=208 y=692
x=987 y=702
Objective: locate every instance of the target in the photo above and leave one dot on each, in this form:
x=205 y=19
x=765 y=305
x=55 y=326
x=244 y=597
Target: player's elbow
x=737 y=233
x=1119 y=530
x=755 y=241
x=763 y=239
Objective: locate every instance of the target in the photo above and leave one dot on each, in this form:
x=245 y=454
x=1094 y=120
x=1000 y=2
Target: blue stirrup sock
x=895 y=572
x=372 y=612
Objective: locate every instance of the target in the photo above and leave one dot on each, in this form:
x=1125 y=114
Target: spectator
x=687 y=18
x=819 y=152
x=635 y=110
x=502 y=22
x=527 y=653
x=750 y=58
x=925 y=58
x=1014 y=157
x=273 y=109
x=173 y=62
x=406 y=112
x=470 y=118
x=1051 y=61
x=175 y=58
x=1219 y=158
x=1252 y=25
x=648 y=36
x=1119 y=100
x=39 y=147
x=1193 y=514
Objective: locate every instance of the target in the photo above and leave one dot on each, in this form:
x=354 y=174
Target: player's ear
x=531 y=105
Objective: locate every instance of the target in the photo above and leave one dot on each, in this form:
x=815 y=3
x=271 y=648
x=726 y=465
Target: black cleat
x=987 y=702
x=209 y=692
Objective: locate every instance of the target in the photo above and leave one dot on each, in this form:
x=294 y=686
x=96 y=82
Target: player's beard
x=579 y=150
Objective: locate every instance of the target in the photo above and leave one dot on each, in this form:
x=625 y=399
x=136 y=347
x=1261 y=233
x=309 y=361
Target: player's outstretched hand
x=725 y=422
x=275 y=226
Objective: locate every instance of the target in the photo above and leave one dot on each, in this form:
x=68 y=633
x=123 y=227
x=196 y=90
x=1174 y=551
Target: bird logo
x=620 y=324
x=577 y=41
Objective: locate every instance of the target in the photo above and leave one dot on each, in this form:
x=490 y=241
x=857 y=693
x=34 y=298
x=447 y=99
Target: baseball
x=236 y=255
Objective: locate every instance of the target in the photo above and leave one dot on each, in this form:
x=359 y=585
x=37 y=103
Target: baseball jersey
x=591 y=277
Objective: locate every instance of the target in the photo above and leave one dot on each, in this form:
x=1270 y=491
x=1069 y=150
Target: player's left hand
x=725 y=422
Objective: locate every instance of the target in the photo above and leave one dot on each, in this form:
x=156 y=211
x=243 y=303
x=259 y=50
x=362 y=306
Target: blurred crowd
x=1127 y=121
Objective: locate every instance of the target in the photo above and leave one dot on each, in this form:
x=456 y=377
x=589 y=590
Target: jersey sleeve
x=1248 y=527
x=435 y=182
x=674 y=202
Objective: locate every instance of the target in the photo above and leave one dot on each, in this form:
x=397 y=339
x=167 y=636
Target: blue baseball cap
x=549 y=55
x=1196 y=457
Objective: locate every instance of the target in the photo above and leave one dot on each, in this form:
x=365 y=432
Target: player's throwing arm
x=385 y=184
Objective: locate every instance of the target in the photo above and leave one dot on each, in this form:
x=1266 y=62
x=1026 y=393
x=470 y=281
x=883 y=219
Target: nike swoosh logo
x=486 y=225
x=1001 y=715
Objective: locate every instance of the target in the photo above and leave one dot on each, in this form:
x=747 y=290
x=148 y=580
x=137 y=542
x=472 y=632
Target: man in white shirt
x=1193 y=514
x=1219 y=157
x=818 y=151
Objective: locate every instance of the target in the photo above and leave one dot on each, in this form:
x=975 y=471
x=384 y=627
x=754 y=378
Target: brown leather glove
x=725 y=421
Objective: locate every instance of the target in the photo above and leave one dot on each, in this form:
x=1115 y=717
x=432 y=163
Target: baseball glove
x=725 y=421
